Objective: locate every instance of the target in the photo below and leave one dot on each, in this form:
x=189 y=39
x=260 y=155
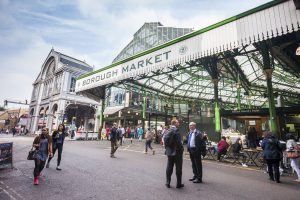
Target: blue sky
x=91 y=30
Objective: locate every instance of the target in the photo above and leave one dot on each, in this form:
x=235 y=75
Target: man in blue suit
x=195 y=148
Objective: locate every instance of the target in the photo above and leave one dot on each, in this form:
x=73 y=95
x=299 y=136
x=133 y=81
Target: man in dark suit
x=174 y=151
x=194 y=148
x=113 y=140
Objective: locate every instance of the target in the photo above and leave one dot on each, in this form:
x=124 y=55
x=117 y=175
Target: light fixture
x=128 y=112
x=137 y=113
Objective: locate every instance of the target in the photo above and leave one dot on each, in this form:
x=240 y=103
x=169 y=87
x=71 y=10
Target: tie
x=189 y=140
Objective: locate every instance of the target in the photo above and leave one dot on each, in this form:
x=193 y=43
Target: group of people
x=46 y=145
x=174 y=151
x=129 y=132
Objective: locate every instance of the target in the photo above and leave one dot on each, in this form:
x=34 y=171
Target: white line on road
x=11 y=189
x=6 y=192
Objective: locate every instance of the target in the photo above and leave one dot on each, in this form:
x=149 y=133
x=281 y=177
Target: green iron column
x=144 y=110
x=268 y=70
x=272 y=110
x=156 y=110
x=238 y=86
x=217 y=109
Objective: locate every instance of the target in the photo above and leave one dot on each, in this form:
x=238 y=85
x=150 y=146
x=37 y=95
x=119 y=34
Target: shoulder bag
x=32 y=154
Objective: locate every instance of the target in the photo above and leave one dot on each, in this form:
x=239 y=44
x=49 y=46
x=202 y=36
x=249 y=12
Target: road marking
x=6 y=192
x=11 y=189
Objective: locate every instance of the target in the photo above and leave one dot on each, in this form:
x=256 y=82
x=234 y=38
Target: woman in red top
x=107 y=133
x=128 y=131
x=222 y=147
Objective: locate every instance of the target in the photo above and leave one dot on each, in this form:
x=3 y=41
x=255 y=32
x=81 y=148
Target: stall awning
x=112 y=110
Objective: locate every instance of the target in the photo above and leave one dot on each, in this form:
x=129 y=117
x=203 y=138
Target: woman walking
x=42 y=143
x=291 y=145
x=58 y=138
x=149 y=137
x=272 y=155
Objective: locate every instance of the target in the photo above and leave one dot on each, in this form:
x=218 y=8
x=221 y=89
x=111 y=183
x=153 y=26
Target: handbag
x=32 y=154
x=293 y=154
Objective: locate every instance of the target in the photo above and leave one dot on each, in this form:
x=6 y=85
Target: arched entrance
x=81 y=117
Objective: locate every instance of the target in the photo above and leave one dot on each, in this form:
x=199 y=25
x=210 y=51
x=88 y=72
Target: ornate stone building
x=53 y=99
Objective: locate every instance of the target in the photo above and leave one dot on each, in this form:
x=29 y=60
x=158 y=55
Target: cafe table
x=252 y=156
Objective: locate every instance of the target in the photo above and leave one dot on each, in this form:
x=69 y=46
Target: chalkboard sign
x=6 y=155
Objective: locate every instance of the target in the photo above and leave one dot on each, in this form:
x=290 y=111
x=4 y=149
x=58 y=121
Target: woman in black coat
x=58 y=138
x=272 y=155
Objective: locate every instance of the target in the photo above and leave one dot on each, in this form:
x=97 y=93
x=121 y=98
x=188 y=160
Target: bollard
x=131 y=140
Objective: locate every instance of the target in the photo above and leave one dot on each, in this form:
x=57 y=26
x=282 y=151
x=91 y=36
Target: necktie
x=189 y=140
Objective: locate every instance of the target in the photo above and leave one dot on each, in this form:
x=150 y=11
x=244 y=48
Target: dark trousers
x=58 y=147
x=220 y=153
x=196 y=164
x=148 y=144
x=114 y=147
x=239 y=155
x=38 y=167
x=177 y=160
x=273 y=164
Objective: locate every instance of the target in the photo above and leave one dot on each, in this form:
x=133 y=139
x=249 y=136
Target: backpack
x=119 y=132
x=169 y=139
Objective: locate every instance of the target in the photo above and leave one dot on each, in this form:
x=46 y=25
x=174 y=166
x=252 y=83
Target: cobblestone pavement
x=89 y=173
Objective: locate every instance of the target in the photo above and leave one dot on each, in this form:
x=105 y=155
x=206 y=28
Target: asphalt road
x=89 y=173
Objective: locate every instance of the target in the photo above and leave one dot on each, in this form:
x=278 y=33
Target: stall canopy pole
x=238 y=94
x=144 y=108
x=268 y=70
x=217 y=109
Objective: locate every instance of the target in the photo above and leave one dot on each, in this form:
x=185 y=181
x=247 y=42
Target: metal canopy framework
x=243 y=66
x=237 y=62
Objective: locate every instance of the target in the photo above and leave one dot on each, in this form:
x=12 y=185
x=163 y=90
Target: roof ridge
x=73 y=58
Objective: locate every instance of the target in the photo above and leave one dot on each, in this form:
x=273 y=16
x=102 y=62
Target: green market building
x=243 y=71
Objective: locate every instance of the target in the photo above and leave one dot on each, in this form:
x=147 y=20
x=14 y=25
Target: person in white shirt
x=291 y=145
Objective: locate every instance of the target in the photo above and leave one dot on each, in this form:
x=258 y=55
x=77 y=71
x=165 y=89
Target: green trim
x=190 y=35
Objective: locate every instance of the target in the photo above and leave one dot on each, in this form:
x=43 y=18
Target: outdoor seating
x=252 y=156
x=236 y=158
x=210 y=153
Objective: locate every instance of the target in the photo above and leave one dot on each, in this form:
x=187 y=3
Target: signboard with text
x=6 y=155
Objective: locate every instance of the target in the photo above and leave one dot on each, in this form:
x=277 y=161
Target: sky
x=91 y=30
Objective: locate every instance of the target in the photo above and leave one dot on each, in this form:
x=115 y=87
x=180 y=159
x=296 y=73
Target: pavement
x=88 y=172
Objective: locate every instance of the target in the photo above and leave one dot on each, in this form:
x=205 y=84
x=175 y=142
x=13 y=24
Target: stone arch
x=49 y=67
x=47 y=111
x=31 y=112
x=54 y=109
x=42 y=111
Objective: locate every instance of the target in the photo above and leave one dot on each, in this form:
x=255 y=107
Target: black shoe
x=168 y=185
x=197 y=181
x=278 y=181
x=179 y=185
x=192 y=179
